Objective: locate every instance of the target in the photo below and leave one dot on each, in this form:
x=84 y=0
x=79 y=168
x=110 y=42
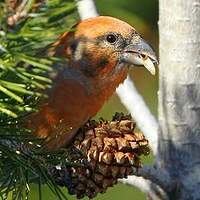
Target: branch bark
x=153 y=191
x=179 y=95
x=157 y=176
x=86 y=9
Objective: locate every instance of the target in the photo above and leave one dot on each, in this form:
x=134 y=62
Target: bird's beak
x=140 y=53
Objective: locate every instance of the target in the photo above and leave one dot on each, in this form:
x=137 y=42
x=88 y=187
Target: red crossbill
x=98 y=54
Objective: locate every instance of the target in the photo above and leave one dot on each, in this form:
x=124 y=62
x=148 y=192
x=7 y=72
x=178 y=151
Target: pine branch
x=26 y=32
x=101 y=153
x=24 y=69
x=22 y=164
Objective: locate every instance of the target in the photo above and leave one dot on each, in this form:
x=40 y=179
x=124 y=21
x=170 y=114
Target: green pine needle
x=25 y=69
x=11 y=94
x=34 y=62
x=8 y=112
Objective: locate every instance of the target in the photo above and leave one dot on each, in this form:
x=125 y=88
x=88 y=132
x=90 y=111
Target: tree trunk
x=179 y=96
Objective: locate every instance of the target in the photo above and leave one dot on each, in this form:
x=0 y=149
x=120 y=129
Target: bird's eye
x=111 y=38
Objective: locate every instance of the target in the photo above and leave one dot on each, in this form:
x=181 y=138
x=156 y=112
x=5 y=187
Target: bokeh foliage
x=23 y=62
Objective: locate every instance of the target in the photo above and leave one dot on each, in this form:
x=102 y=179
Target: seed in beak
x=143 y=56
x=147 y=62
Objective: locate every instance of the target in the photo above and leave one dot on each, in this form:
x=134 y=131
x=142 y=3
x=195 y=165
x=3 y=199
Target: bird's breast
x=72 y=101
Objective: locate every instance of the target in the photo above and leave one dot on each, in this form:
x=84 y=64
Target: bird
x=98 y=54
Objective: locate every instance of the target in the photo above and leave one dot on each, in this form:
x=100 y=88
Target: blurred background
x=143 y=15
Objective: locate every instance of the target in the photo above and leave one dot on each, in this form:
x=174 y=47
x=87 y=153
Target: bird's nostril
x=144 y=56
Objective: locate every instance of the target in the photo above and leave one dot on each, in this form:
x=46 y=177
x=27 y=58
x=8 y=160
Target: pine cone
x=110 y=149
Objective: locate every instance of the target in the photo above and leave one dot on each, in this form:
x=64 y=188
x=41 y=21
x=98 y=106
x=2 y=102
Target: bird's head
x=101 y=46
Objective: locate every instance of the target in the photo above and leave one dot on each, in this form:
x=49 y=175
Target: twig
x=127 y=92
x=21 y=10
x=155 y=175
x=150 y=180
x=86 y=9
x=146 y=186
